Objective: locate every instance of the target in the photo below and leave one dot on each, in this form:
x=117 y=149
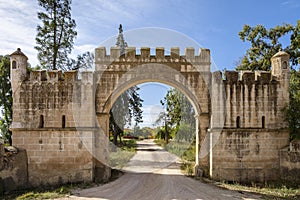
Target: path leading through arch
x=154 y=173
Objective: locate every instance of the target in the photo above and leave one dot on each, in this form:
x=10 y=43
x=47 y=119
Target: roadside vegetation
x=50 y=193
x=57 y=193
x=185 y=151
x=176 y=130
x=121 y=155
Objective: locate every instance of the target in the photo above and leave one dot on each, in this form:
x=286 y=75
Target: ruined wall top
x=245 y=76
x=58 y=75
x=280 y=68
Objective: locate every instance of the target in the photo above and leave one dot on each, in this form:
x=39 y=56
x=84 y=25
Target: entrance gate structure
x=62 y=119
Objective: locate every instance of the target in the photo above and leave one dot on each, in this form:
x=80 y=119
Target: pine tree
x=56 y=35
x=121 y=41
x=127 y=106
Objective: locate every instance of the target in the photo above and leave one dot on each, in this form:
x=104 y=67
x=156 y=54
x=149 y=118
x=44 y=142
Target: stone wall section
x=57 y=156
x=290 y=162
x=248 y=155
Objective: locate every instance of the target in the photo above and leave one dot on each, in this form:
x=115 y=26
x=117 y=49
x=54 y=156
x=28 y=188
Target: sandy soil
x=155 y=174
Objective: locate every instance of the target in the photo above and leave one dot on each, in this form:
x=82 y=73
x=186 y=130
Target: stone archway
x=190 y=74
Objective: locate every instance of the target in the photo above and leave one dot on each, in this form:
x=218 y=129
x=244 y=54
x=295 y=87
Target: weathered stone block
x=115 y=53
x=175 y=52
x=14 y=173
x=160 y=52
x=232 y=77
x=190 y=54
x=71 y=76
x=130 y=52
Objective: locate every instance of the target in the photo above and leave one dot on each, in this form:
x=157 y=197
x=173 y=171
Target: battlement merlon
x=101 y=55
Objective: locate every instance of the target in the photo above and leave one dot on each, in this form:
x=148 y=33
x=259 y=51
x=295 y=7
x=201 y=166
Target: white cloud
x=96 y=19
x=292 y=4
x=18 y=25
x=150 y=115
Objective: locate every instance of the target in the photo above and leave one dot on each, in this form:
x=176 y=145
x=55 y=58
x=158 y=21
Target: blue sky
x=209 y=23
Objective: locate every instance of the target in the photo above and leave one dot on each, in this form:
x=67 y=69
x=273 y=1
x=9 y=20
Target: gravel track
x=155 y=174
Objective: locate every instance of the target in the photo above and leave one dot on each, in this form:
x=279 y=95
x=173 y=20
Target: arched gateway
x=62 y=121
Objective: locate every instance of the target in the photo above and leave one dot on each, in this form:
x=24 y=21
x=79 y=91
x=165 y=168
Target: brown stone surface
x=251 y=155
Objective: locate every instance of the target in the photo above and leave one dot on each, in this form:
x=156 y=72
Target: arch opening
x=180 y=136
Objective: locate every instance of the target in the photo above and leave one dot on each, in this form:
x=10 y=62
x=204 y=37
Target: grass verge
x=120 y=156
x=268 y=191
x=185 y=151
x=50 y=193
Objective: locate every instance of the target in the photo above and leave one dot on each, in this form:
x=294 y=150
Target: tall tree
x=127 y=106
x=5 y=98
x=121 y=41
x=56 y=35
x=264 y=44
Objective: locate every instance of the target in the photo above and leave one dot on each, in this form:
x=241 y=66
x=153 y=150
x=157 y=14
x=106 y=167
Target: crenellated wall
x=53 y=119
x=61 y=118
x=246 y=148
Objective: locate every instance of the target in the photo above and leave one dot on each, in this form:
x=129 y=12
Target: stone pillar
x=102 y=170
x=202 y=144
x=197 y=169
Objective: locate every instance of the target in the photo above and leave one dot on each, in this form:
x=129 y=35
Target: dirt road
x=155 y=174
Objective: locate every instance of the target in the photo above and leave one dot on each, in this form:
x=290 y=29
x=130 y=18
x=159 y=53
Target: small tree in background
x=178 y=112
x=127 y=107
x=293 y=110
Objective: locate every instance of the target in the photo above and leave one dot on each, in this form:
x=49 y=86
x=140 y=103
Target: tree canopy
x=55 y=36
x=267 y=42
x=293 y=110
x=178 y=116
